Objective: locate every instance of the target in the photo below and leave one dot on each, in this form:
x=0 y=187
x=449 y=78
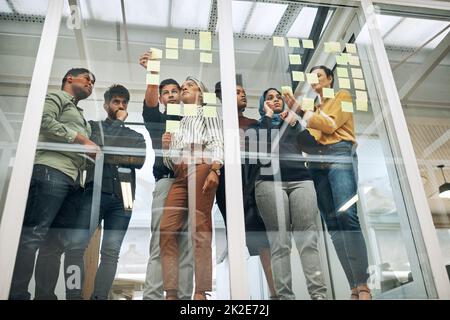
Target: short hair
x=116 y=90
x=327 y=71
x=166 y=82
x=75 y=72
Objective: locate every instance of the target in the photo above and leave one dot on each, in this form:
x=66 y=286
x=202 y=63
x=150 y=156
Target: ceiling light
x=190 y=14
x=444 y=190
x=302 y=26
x=4 y=7
x=36 y=7
x=240 y=10
x=270 y=14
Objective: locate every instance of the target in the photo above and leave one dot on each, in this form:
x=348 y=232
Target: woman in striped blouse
x=195 y=155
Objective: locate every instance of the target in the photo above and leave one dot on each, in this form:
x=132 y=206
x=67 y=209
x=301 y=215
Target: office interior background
x=403 y=133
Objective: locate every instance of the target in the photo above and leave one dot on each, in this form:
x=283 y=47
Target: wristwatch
x=216 y=171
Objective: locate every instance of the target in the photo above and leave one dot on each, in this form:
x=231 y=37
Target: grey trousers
x=290 y=209
x=153 y=288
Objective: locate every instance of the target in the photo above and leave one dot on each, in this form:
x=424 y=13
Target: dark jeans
x=50 y=212
x=115 y=225
x=336 y=184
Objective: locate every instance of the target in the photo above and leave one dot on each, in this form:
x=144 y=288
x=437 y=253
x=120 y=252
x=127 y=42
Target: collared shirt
x=61 y=121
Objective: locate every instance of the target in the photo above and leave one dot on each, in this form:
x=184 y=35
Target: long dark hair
x=327 y=71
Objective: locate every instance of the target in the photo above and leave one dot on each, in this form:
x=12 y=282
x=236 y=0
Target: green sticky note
x=341 y=60
x=328 y=93
x=361 y=95
x=312 y=78
x=278 y=41
x=209 y=97
x=172 y=43
x=308 y=104
x=342 y=72
x=174 y=109
x=172 y=54
x=153 y=65
x=189 y=44
x=359 y=84
x=344 y=83
x=156 y=53
x=209 y=112
x=286 y=89
x=347 y=106
x=295 y=59
x=298 y=76
x=327 y=47
x=351 y=47
x=190 y=109
x=332 y=47
x=354 y=61
x=172 y=125
x=361 y=105
x=152 y=79
x=308 y=44
x=293 y=43
x=357 y=73
x=205 y=40
x=206 y=57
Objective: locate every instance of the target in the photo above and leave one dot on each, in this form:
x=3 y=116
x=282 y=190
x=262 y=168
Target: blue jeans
x=50 y=212
x=336 y=183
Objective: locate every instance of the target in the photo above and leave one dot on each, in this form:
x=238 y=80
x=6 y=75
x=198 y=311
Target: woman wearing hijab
x=196 y=157
x=286 y=199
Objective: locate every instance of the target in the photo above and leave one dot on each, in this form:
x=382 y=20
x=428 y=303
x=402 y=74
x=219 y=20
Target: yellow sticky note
x=286 y=89
x=332 y=47
x=342 y=73
x=156 y=53
x=341 y=60
x=293 y=43
x=153 y=65
x=328 y=93
x=190 y=109
x=209 y=112
x=357 y=73
x=209 y=97
x=152 y=79
x=172 y=125
x=359 y=84
x=354 y=61
x=172 y=43
x=361 y=95
x=206 y=57
x=174 y=109
x=205 y=40
x=308 y=44
x=361 y=105
x=344 y=83
x=298 y=76
x=312 y=78
x=172 y=54
x=351 y=47
x=295 y=59
x=189 y=44
x=308 y=104
x=278 y=41
x=347 y=106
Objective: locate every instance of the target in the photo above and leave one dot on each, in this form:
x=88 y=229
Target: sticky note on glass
x=295 y=59
x=156 y=53
x=342 y=73
x=190 y=109
x=344 y=83
x=308 y=44
x=209 y=112
x=341 y=60
x=172 y=54
x=209 y=97
x=153 y=65
x=205 y=40
x=312 y=78
x=308 y=104
x=278 y=41
x=359 y=84
x=351 y=47
x=361 y=105
x=206 y=57
x=328 y=93
x=347 y=106
x=173 y=109
x=285 y=89
x=172 y=43
x=293 y=43
x=298 y=76
x=152 y=79
x=354 y=61
x=189 y=44
x=332 y=47
x=172 y=125
x=361 y=95
x=357 y=73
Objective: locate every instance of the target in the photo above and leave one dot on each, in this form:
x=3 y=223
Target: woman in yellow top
x=336 y=180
